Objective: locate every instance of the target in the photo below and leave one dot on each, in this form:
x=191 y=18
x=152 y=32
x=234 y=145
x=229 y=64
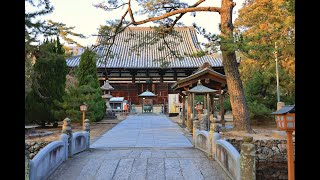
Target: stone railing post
x=247 y=159
x=210 y=139
x=214 y=136
x=87 y=128
x=67 y=129
x=194 y=128
x=27 y=163
x=64 y=138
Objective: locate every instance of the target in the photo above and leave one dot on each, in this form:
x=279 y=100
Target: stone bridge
x=144 y=146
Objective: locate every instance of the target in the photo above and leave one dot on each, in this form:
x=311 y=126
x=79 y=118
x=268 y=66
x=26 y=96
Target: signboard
x=173 y=103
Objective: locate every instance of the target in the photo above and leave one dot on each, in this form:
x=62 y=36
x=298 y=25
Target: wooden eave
x=193 y=79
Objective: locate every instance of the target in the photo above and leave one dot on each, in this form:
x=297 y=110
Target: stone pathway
x=142 y=147
x=144 y=130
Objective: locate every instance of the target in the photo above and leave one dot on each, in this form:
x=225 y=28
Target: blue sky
x=87 y=19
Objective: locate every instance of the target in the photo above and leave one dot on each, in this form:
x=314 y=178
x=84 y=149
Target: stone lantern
x=205 y=91
x=106 y=88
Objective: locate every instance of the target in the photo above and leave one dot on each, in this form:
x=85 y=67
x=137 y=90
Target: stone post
x=27 y=163
x=214 y=135
x=195 y=127
x=67 y=129
x=87 y=128
x=247 y=159
x=64 y=138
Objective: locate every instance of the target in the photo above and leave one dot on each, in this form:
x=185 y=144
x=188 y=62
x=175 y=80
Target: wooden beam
x=188 y=72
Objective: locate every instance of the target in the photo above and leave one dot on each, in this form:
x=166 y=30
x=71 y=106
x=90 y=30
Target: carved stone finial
x=247 y=139
x=214 y=127
x=87 y=125
x=66 y=127
x=199 y=82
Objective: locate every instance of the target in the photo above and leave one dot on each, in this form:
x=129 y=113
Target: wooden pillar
x=189 y=111
x=175 y=75
x=183 y=109
x=134 y=78
x=192 y=106
x=223 y=123
x=204 y=101
x=161 y=78
x=212 y=103
x=161 y=73
x=208 y=110
x=133 y=74
x=153 y=88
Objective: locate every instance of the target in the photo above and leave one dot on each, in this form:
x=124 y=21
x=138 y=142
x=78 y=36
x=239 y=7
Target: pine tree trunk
x=239 y=108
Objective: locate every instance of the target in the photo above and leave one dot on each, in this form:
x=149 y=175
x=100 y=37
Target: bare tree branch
x=166 y=15
x=180 y=16
x=105 y=7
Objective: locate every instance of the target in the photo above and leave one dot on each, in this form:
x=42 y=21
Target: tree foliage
x=86 y=90
x=88 y=69
x=261 y=24
x=34 y=28
x=49 y=79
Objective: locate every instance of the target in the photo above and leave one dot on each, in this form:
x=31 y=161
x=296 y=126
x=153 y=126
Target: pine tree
x=89 y=85
x=87 y=67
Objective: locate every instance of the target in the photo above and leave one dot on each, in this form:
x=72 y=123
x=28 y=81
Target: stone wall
x=271 y=157
x=34 y=147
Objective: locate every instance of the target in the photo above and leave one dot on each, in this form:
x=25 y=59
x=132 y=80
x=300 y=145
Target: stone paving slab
x=140 y=164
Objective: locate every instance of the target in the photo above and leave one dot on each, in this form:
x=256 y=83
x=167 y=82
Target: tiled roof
x=201 y=89
x=117 y=99
x=285 y=110
x=125 y=57
x=147 y=94
x=200 y=72
x=106 y=86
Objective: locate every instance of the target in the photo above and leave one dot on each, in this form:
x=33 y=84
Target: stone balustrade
x=49 y=158
x=270 y=157
x=237 y=166
x=202 y=141
x=228 y=158
x=79 y=142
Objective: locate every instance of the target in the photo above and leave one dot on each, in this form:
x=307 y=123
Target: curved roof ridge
x=136 y=28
